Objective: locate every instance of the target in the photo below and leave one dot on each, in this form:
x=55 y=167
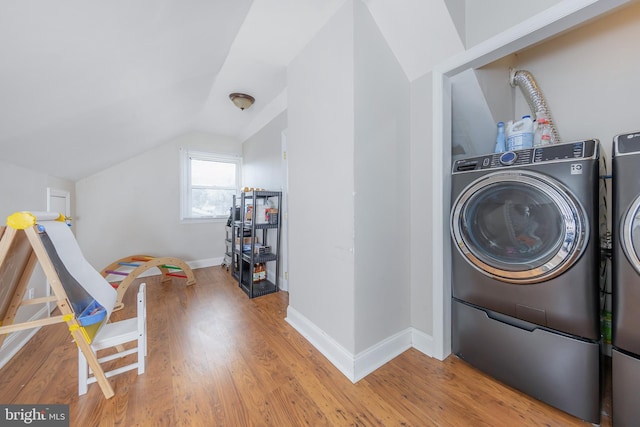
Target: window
x=209 y=182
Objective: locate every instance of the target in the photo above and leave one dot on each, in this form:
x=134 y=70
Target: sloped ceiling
x=87 y=84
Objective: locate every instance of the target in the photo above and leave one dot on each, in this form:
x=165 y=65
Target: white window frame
x=186 y=155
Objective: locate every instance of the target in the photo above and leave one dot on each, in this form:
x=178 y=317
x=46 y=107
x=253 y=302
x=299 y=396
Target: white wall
x=22 y=189
x=457 y=12
x=349 y=152
x=418 y=207
x=477 y=21
x=421 y=200
x=134 y=208
x=484 y=19
x=381 y=166
x=321 y=181
x=420 y=32
x=261 y=158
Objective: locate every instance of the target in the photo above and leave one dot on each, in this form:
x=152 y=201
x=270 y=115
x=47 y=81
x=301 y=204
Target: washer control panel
x=627 y=143
x=549 y=153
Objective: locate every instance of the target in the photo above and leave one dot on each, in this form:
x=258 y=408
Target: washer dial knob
x=508 y=158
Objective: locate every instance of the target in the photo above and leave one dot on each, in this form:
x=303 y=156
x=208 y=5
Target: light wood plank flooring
x=217 y=358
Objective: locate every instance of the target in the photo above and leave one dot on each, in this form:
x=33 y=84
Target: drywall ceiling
x=87 y=84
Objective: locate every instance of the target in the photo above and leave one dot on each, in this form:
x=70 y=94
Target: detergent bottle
x=520 y=134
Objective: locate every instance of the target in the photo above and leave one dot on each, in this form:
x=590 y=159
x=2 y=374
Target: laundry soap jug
x=520 y=134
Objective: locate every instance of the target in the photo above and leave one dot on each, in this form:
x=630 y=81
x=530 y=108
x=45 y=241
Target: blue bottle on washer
x=500 y=139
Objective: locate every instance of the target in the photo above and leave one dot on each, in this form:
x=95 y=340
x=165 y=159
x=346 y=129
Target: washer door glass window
x=630 y=234
x=519 y=227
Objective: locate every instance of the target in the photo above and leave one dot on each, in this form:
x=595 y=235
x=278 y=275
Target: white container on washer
x=520 y=134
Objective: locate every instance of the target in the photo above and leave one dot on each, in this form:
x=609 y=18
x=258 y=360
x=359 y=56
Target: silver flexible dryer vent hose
x=533 y=94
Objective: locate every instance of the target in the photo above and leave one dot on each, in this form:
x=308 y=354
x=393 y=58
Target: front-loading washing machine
x=525 y=271
x=625 y=355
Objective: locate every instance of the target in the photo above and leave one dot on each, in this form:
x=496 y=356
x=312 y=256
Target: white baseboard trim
x=284 y=285
x=204 y=263
x=422 y=342
x=356 y=367
x=15 y=341
x=377 y=355
x=342 y=359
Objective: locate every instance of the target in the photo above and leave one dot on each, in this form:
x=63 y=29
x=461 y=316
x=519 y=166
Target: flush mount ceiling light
x=242 y=100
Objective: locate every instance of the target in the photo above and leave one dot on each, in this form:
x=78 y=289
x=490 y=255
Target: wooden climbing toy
x=83 y=296
x=131 y=267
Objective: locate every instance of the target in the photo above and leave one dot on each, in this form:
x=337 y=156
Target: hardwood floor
x=217 y=358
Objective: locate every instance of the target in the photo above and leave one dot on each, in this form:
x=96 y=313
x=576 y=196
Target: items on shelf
x=524 y=133
x=520 y=134
x=500 y=139
x=259 y=272
x=255 y=241
x=542 y=134
x=272 y=215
